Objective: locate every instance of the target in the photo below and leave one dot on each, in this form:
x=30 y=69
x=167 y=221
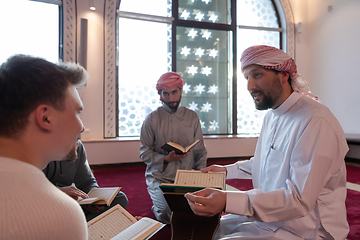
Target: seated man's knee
x=121 y=199
x=163 y=215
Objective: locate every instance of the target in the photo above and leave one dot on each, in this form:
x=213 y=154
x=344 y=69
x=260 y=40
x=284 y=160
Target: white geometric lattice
x=135 y=103
x=257 y=13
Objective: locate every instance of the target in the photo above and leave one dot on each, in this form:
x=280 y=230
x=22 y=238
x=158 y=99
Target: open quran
x=191 y=180
x=171 y=146
x=118 y=224
x=100 y=196
x=184 y=223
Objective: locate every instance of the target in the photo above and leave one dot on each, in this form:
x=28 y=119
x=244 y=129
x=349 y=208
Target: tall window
x=29 y=27
x=202 y=40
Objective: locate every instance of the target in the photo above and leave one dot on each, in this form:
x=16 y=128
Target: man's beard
x=72 y=155
x=266 y=103
x=175 y=106
x=271 y=97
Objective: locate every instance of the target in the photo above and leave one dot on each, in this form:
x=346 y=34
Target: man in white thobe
x=298 y=169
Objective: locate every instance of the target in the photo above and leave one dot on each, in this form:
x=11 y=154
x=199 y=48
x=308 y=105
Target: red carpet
x=353 y=174
x=132 y=180
x=353 y=214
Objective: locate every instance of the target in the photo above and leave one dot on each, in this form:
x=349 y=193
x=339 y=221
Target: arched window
x=202 y=40
x=30 y=27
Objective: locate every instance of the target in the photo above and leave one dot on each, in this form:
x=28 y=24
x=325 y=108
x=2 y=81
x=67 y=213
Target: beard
x=266 y=103
x=72 y=155
x=174 y=104
x=270 y=98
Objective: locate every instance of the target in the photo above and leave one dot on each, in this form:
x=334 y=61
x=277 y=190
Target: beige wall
x=92 y=94
x=327 y=53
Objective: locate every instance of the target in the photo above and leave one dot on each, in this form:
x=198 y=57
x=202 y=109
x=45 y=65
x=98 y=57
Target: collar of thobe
x=168 y=109
x=287 y=104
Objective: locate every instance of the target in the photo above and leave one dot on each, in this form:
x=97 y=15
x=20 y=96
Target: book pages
x=108 y=224
x=175 y=145
x=100 y=196
x=198 y=178
x=142 y=229
x=191 y=145
x=106 y=193
x=91 y=200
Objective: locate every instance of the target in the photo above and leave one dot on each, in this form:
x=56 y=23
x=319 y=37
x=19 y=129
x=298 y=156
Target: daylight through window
x=29 y=27
x=202 y=40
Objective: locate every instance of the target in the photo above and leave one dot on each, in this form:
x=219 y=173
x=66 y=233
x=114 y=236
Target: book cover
x=190 y=226
x=172 y=188
x=185 y=224
x=171 y=146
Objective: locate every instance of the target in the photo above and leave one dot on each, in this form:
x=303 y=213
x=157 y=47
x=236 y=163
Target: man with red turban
x=298 y=169
x=169 y=123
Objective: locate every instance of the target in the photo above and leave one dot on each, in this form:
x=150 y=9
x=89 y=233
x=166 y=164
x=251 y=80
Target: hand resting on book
x=214 y=168
x=74 y=192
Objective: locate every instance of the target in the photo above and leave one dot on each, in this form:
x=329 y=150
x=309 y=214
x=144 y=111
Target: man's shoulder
x=159 y=110
x=57 y=208
x=32 y=183
x=44 y=193
x=307 y=110
x=312 y=108
x=188 y=111
x=163 y=112
x=14 y=165
x=155 y=114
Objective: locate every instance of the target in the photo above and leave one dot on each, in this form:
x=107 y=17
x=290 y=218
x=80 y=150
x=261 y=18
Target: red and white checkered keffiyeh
x=169 y=80
x=274 y=58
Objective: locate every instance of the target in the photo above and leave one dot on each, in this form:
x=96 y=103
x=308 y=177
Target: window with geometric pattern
x=202 y=40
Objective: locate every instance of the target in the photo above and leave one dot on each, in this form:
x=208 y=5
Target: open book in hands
x=118 y=224
x=100 y=196
x=190 y=181
x=184 y=223
x=187 y=180
x=171 y=146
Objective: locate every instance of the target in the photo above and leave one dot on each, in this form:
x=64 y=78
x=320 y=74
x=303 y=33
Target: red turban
x=169 y=80
x=274 y=58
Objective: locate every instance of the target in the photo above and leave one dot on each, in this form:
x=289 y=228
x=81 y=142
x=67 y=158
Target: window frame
x=286 y=31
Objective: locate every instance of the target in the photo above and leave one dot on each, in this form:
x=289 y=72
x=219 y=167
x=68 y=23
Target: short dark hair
x=26 y=82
